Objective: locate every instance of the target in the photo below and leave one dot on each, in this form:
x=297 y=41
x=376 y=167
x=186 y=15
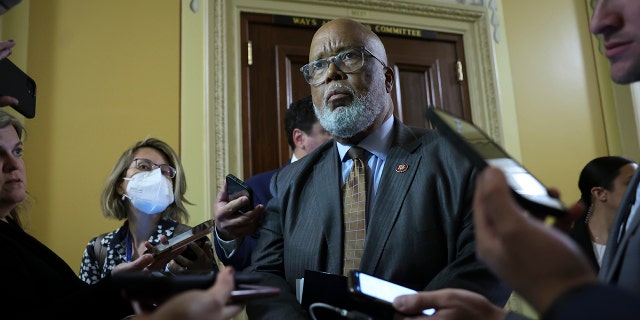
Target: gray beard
x=347 y=121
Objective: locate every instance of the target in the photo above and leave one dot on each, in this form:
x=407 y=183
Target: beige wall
x=560 y=119
x=109 y=73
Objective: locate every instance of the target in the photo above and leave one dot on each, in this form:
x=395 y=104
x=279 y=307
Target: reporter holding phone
x=145 y=188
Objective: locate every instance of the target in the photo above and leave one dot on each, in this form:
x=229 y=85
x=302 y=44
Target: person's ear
x=298 y=138
x=599 y=193
x=120 y=189
x=389 y=78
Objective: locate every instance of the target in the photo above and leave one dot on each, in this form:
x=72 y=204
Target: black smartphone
x=367 y=287
x=236 y=188
x=159 y=285
x=475 y=144
x=15 y=83
x=183 y=239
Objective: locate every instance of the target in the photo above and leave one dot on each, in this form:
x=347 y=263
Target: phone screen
x=483 y=151
x=185 y=238
x=379 y=289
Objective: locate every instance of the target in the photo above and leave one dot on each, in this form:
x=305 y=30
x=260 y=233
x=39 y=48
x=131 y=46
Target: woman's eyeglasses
x=148 y=165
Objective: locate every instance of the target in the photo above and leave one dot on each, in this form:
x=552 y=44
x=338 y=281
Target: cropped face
x=618 y=24
x=13 y=180
x=620 y=184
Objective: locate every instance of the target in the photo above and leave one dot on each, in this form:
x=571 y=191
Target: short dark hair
x=301 y=115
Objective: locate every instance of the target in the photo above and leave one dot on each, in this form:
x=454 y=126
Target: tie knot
x=356 y=153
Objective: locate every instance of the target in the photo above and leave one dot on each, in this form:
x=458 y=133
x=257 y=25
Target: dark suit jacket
x=594 y=301
x=621 y=262
x=420 y=230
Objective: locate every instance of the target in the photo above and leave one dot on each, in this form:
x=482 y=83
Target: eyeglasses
x=148 y=165
x=347 y=61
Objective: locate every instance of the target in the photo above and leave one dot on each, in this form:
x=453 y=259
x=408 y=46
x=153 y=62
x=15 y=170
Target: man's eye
x=318 y=65
x=352 y=54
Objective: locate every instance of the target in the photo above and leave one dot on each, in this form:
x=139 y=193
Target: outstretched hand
x=537 y=261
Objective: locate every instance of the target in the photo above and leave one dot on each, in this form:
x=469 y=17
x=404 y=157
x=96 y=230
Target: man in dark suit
x=419 y=231
x=541 y=263
x=304 y=134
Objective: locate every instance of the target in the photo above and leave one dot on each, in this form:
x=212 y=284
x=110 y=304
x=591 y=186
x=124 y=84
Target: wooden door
x=428 y=73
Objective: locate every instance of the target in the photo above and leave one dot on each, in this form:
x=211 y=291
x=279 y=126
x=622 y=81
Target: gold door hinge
x=249 y=53
x=459 y=71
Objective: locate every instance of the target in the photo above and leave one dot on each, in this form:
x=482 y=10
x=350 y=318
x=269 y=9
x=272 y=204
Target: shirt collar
x=378 y=142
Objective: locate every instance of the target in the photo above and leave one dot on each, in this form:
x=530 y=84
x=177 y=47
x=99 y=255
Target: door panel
x=425 y=75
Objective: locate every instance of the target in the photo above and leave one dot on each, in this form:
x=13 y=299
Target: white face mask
x=149 y=191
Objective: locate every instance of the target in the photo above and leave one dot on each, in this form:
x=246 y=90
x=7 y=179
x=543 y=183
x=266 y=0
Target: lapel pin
x=402 y=168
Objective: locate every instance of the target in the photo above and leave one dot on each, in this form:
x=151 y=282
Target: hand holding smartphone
x=163 y=251
x=367 y=287
x=236 y=188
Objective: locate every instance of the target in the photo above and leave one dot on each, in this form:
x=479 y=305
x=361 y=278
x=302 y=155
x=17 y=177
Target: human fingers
x=221 y=292
x=5 y=48
x=449 y=304
x=488 y=206
x=415 y=303
x=8 y=101
x=139 y=264
x=222 y=194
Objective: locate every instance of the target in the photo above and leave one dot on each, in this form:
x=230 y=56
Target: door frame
x=219 y=129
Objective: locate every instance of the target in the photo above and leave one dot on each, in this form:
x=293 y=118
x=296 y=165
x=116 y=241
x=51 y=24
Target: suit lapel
x=393 y=187
x=615 y=249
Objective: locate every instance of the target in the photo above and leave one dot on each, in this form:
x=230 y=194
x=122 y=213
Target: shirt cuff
x=228 y=247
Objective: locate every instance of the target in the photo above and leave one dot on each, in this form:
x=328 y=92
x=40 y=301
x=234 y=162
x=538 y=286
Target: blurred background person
x=602 y=184
x=145 y=188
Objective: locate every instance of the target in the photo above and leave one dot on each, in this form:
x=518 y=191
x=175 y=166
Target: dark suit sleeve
x=241 y=258
x=455 y=194
x=595 y=301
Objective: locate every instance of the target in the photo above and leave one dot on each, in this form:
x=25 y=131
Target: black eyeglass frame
x=305 y=69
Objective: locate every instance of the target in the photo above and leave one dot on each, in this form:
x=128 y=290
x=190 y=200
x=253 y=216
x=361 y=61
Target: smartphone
x=159 y=285
x=236 y=188
x=244 y=292
x=15 y=83
x=475 y=144
x=368 y=287
x=183 y=239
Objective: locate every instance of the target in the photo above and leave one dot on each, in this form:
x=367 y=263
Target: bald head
x=351 y=102
x=338 y=34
